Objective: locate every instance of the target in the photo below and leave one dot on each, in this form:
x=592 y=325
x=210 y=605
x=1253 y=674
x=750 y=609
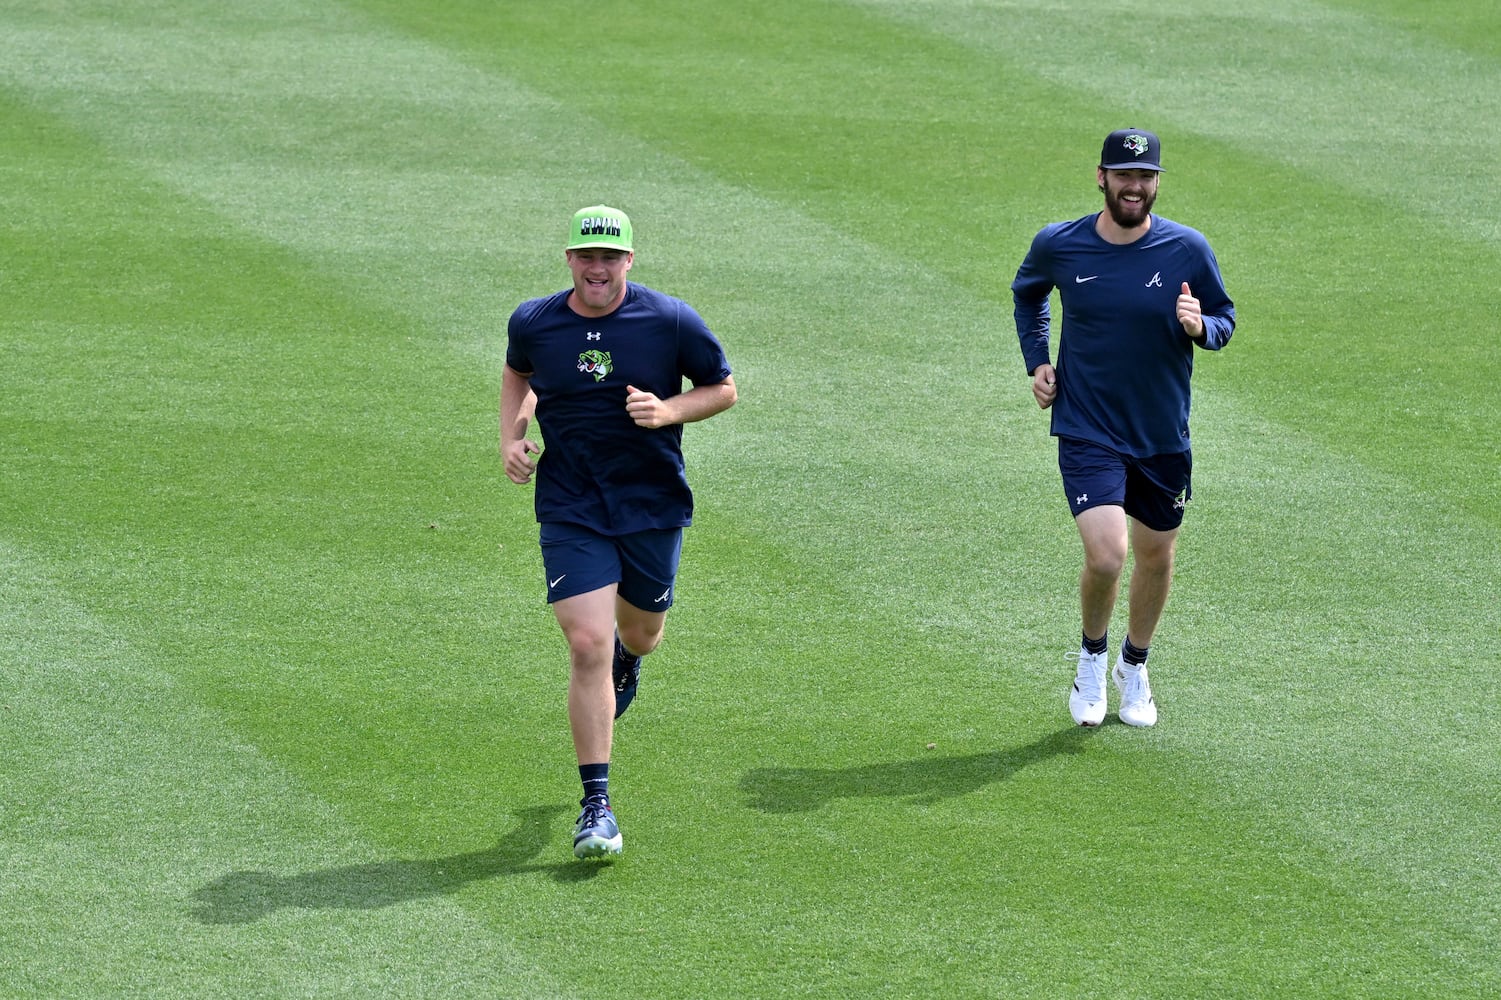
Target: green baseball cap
x=600 y=226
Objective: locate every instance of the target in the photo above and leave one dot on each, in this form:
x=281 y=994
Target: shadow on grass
x=924 y=779
x=243 y=897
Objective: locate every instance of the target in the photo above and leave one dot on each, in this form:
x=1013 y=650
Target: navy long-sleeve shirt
x=1124 y=361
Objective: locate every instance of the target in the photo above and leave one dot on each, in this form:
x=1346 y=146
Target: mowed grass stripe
x=150 y=849
x=350 y=145
x=1392 y=110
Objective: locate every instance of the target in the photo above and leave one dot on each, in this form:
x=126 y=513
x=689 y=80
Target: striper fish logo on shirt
x=596 y=363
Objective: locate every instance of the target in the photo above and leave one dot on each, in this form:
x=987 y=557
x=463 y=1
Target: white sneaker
x=1086 y=702
x=1137 y=706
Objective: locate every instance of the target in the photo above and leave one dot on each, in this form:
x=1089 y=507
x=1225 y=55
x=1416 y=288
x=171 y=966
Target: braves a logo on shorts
x=596 y=363
x=1181 y=500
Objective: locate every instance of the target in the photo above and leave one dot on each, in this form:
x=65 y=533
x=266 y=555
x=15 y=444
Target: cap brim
x=598 y=245
x=1131 y=166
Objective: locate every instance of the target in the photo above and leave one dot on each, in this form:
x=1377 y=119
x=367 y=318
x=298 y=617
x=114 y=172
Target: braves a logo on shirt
x=596 y=363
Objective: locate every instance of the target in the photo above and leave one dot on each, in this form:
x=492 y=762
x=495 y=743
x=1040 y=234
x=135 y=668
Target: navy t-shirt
x=598 y=468
x=1124 y=362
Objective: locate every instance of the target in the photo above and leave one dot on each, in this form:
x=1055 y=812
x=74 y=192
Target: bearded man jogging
x=1141 y=295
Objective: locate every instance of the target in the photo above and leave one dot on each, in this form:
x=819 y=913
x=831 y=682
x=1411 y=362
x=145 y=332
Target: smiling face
x=1129 y=195
x=598 y=279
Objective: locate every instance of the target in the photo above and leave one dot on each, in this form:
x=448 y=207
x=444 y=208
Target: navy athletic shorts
x=1153 y=490
x=578 y=560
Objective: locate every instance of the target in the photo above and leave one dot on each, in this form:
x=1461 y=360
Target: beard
x=1129 y=215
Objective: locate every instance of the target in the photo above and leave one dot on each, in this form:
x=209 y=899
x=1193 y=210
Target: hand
x=646 y=409
x=1044 y=385
x=1190 y=314
x=518 y=460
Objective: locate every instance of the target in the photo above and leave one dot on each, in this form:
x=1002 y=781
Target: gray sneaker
x=596 y=834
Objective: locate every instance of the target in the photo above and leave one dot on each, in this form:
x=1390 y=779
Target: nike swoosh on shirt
x=1079 y=281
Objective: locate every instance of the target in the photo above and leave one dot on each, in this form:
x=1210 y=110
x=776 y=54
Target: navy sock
x=1132 y=655
x=596 y=779
x=1097 y=646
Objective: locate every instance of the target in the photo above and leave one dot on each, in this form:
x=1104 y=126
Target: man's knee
x=589 y=644
x=1155 y=563
x=1104 y=563
x=641 y=637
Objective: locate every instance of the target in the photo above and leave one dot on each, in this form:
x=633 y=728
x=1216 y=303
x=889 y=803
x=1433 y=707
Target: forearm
x=1033 y=328
x=702 y=402
x=517 y=404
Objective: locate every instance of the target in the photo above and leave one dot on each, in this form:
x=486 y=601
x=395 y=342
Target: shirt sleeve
x=1029 y=296
x=516 y=356
x=701 y=357
x=1215 y=305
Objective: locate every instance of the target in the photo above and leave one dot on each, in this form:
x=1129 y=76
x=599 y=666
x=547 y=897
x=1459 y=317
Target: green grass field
x=281 y=705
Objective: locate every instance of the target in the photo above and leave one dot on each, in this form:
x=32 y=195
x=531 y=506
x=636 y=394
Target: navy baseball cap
x=1131 y=149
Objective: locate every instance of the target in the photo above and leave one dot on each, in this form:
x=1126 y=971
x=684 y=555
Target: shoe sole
x=597 y=847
